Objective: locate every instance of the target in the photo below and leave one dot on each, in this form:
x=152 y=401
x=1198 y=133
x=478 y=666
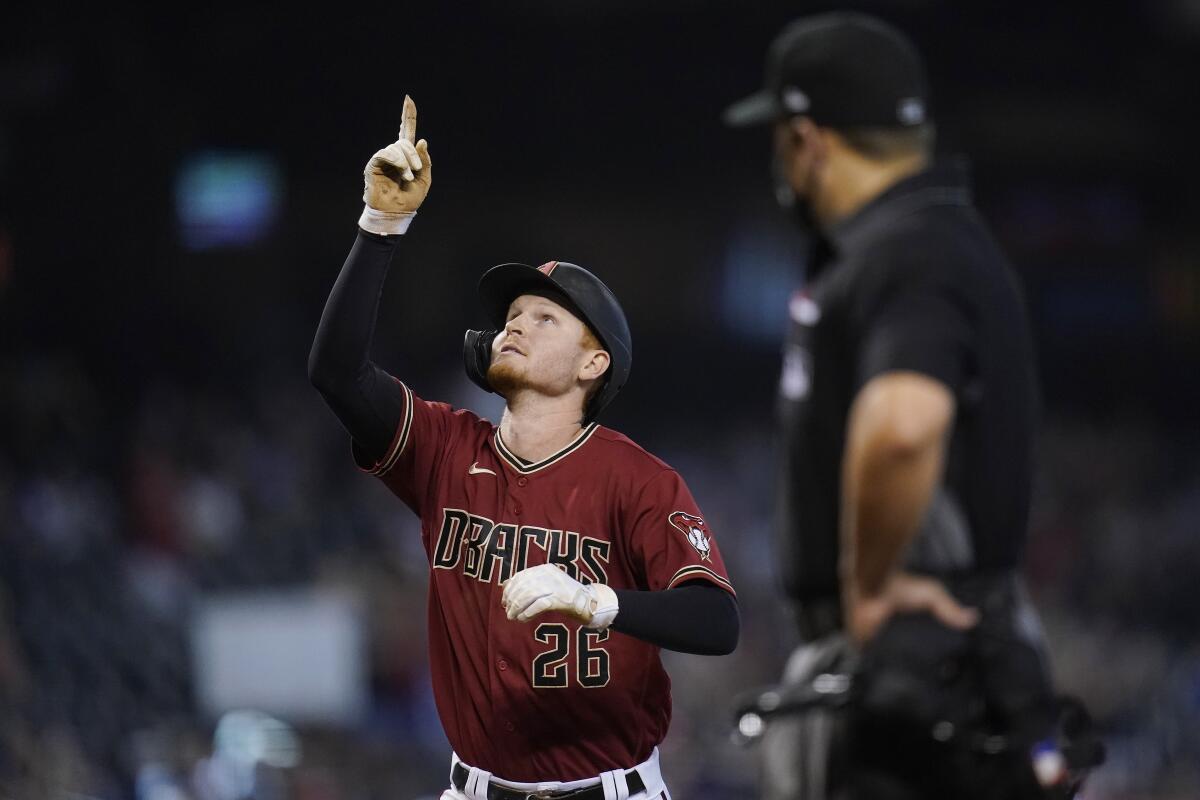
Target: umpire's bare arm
x=895 y=454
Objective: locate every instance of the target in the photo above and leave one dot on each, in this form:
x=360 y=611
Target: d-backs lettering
x=491 y=552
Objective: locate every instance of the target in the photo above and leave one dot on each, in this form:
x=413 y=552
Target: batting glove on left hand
x=545 y=587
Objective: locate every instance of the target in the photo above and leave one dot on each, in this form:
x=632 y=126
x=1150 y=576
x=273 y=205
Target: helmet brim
x=504 y=283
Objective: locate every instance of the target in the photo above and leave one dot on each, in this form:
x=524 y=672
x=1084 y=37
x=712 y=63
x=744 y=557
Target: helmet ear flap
x=599 y=400
x=477 y=356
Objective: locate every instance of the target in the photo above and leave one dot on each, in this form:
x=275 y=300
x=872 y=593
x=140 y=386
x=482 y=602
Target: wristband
x=606 y=606
x=383 y=223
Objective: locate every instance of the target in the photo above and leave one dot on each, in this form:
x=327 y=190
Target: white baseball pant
x=613 y=782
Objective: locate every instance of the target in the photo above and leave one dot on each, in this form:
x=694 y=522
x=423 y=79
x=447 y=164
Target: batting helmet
x=573 y=287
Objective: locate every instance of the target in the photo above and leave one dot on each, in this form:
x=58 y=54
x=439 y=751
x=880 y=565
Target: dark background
x=160 y=442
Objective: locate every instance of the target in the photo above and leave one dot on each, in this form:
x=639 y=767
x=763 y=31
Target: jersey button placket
x=502 y=665
x=521 y=483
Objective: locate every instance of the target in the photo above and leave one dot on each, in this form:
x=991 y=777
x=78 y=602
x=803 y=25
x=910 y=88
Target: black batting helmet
x=571 y=286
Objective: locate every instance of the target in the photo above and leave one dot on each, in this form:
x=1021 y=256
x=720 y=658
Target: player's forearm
x=366 y=400
x=696 y=618
x=341 y=349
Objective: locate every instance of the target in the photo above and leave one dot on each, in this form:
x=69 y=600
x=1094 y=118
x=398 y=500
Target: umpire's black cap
x=843 y=70
x=585 y=296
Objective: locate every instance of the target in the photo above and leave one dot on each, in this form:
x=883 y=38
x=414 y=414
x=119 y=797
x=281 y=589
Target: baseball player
x=562 y=555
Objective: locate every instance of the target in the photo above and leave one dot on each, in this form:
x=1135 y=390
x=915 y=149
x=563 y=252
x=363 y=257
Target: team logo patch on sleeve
x=693 y=528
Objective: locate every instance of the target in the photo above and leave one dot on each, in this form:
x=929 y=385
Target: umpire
x=908 y=402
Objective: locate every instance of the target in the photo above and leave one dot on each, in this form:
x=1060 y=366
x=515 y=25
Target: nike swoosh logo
x=478 y=470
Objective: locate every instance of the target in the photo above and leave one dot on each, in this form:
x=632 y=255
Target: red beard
x=506 y=377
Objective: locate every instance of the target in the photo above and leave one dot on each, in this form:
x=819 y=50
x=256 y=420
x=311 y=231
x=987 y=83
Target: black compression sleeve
x=695 y=617
x=365 y=398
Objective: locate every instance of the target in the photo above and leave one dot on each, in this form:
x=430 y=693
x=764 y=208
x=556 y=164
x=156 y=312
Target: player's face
x=542 y=348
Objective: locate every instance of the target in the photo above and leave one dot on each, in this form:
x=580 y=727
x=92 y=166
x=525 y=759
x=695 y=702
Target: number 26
x=550 y=668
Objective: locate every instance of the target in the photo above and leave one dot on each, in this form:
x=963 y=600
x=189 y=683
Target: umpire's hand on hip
x=902 y=593
x=545 y=587
x=396 y=179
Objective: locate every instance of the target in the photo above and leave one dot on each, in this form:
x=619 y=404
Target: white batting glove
x=545 y=587
x=396 y=179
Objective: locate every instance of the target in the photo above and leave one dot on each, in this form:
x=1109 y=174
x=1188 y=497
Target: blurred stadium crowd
x=160 y=446
x=107 y=553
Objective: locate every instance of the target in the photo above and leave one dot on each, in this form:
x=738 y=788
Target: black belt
x=459 y=775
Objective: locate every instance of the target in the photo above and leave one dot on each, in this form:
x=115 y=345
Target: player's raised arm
x=364 y=397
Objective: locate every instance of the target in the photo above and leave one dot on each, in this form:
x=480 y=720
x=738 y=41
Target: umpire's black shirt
x=913 y=282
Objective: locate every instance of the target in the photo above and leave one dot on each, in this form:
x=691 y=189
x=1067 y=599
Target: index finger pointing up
x=408 y=124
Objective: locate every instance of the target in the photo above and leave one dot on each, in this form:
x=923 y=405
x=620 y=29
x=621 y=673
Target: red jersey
x=547 y=699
